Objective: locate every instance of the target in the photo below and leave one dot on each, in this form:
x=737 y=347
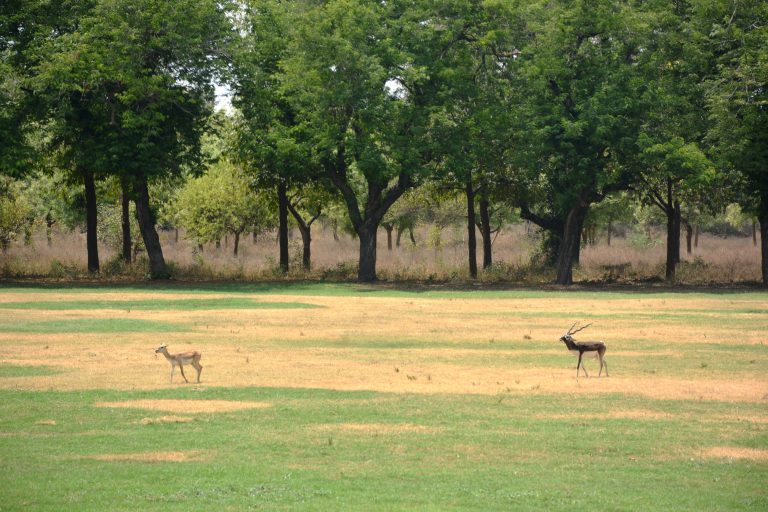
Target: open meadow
x=348 y=397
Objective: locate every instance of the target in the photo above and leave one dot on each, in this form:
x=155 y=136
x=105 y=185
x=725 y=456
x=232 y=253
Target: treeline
x=558 y=111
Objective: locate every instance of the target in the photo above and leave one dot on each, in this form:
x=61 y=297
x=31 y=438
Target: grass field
x=342 y=397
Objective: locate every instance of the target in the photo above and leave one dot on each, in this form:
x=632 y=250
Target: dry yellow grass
x=165 y=419
x=376 y=428
x=188 y=406
x=401 y=345
x=170 y=456
x=732 y=452
x=726 y=259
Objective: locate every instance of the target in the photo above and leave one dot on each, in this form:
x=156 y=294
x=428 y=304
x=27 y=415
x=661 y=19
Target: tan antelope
x=180 y=360
x=595 y=349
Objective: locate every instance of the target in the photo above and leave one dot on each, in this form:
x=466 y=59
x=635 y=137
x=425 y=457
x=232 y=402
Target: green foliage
x=737 y=96
x=220 y=202
x=16 y=214
x=136 y=81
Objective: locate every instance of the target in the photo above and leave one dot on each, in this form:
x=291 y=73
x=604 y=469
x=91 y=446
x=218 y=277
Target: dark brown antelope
x=180 y=360
x=584 y=349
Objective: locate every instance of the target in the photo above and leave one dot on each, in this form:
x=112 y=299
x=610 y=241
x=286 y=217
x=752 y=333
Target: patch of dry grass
x=376 y=428
x=169 y=456
x=715 y=259
x=165 y=419
x=733 y=452
x=404 y=345
x=188 y=406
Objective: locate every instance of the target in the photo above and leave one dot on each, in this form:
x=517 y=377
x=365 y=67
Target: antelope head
x=568 y=336
x=161 y=348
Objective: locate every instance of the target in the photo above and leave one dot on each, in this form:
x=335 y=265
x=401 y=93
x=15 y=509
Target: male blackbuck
x=584 y=349
x=180 y=360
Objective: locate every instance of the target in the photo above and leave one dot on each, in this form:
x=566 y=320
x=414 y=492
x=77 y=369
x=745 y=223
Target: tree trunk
x=670 y=261
x=485 y=230
x=282 y=197
x=157 y=267
x=673 y=241
x=237 y=243
x=764 y=243
x=367 y=235
x=696 y=237
x=305 y=229
x=126 y=221
x=306 y=247
x=471 y=240
x=688 y=237
x=389 y=228
x=570 y=244
x=678 y=225
x=399 y=235
x=91 y=221
x=672 y=211
x=576 y=257
x=49 y=222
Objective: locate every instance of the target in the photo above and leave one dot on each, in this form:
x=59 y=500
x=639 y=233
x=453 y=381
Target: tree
x=15 y=212
x=737 y=100
x=357 y=74
x=26 y=30
x=678 y=168
x=137 y=80
x=306 y=206
x=218 y=203
x=269 y=136
x=578 y=89
x=671 y=159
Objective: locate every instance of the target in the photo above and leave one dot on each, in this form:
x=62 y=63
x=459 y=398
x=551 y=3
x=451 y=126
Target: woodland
x=124 y=119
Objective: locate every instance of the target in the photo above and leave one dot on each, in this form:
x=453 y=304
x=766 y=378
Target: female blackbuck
x=583 y=349
x=180 y=360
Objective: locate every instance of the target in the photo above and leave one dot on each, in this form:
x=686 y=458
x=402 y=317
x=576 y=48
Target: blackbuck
x=180 y=360
x=582 y=349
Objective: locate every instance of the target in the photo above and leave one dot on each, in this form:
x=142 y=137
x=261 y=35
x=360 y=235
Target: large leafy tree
x=736 y=36
x=270 y=138
x=358 y=76
x=578 y=86
x=28 y=31
x=129 y=92
x=26 y=28
x=672 y=165
x=471 y=116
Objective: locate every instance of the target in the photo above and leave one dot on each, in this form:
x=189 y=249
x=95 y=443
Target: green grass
x=313 y=289
x=510 y=451
x=472 y=453
x=14 y=370
x=91 y=325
